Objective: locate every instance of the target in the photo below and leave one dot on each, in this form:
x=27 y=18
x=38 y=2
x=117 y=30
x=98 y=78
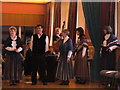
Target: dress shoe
x=17 y=81
x=62 y=83
x=33 y=83
x=66 y=82
x=12 y=83
x=45 y=83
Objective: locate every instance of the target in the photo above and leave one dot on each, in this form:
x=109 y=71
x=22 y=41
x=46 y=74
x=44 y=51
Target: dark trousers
x=38 y=63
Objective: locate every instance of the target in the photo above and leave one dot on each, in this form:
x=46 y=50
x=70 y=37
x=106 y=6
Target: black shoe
x=45 y=83
x=17 y=81
x=33 y=83
x=77 y=81
x=12 y=83
x=62 y=83
x=66 y=82
x=82 y=82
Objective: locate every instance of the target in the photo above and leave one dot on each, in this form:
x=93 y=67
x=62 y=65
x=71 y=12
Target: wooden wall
x=9 y=19
x=23 y=14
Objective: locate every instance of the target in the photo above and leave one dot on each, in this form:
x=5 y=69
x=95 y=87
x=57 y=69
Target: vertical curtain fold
x=57 y=15
x=72 y=19
x=47 y=28
x=93 y=22
x=108 y=14
x=112 y=15
x=97 y=16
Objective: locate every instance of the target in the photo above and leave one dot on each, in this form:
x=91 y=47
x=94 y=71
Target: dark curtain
x=108 y=14
x=97 y=16
x=48 y=27
x=72 y=20
x=57 y=15
x=93 y=21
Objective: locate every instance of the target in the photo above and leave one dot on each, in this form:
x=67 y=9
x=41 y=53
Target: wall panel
x=23 y=8
x=22 y=19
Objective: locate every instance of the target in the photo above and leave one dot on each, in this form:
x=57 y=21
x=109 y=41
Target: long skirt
x=81 y=67
x=64 y=70
x=108 y=60
x=13 y=67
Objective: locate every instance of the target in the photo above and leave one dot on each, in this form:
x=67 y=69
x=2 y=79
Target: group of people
x=65 y=52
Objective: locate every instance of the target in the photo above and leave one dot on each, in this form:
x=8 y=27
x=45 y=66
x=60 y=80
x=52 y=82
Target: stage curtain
x=92 y=14
x=108 y=14
x=57 y=15
x=48 y=27
x=98 y=15
x=72 y=20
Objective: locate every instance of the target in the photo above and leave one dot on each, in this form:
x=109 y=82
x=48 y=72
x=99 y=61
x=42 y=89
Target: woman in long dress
x=13 y=62
x=80 y=56
x=109 y=45
x=64 y=68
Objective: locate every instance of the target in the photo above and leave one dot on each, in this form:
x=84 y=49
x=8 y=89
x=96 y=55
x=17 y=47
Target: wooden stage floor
x=55 y=85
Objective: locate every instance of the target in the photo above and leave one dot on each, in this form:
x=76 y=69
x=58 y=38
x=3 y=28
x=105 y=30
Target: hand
x=82 y=57
x=57 y=59
x=110 y=50
x=3 y=60
x=68 y=59
x=16 y=50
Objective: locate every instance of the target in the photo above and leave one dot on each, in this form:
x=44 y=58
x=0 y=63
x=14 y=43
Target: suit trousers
x=38 y=63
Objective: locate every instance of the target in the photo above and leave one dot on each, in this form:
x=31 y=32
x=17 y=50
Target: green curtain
x=92 y=14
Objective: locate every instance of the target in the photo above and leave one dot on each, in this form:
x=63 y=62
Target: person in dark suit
x=40 y=45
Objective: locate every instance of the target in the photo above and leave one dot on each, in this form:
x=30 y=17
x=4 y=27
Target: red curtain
x=57 y=15
x=72 y=20
x=48 y=27
x=108 y=14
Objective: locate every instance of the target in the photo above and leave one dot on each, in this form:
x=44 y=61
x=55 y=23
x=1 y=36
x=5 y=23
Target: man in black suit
x=39 y=45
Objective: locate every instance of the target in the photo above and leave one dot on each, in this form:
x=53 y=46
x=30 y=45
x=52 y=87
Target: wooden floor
x=27 y=84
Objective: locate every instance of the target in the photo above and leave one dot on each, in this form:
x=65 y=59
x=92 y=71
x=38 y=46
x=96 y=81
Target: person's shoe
x=33 y=83
x=45 y=83
x=66 y=82
x=10 y=84
x=82 y=82
x=77 y=81
x=14 y=84
x=17 y=81
x=62 y=83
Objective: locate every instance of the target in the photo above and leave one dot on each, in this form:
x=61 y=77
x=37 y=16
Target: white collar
x=65 y=39
x=39 y=35
x=14 y=38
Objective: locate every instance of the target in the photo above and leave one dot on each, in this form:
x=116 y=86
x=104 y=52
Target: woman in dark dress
x=80 y=56
x=64 y=68
x=109 y=44
x=13 y=62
